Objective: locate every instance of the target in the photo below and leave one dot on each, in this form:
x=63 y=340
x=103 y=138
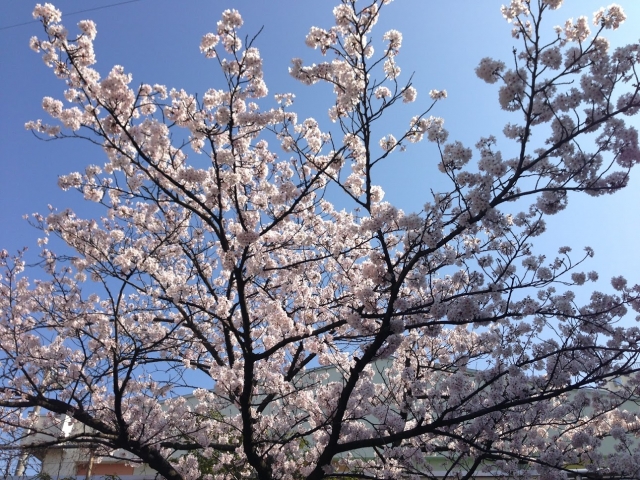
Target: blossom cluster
x=249 y=258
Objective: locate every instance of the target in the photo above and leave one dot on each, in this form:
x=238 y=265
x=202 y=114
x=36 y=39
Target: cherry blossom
x=248 y=304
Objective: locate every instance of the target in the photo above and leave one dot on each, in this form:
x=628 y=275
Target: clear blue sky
x=157 y=41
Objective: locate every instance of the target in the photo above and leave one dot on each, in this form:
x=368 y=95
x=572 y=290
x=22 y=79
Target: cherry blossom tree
x=224 y=318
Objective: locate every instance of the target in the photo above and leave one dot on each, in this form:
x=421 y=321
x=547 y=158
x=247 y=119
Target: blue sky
x=157 y=41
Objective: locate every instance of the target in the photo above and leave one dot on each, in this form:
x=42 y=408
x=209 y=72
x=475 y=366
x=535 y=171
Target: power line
x=72 y=13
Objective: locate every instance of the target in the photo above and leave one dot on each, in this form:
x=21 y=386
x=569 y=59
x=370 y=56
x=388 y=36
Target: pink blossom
x=239 y=247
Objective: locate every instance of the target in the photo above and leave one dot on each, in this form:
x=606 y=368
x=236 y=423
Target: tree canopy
x=342 y=336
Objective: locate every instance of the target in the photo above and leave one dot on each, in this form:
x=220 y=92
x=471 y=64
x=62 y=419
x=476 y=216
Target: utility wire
x=71 y=13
